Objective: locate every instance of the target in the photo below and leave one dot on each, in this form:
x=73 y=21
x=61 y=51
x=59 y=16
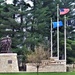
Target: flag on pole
x=55 y=24
x=64 y=11
x=69 y=22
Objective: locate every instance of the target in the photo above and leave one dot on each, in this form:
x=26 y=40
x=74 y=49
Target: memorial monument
x=8 y=60
x=5 y=45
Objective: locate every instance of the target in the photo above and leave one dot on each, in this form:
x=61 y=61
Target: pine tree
x=29 y=27
x=9 y=24
x=50 y=6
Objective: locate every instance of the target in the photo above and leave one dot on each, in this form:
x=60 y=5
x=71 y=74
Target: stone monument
x=5 y=45
x=8 y=60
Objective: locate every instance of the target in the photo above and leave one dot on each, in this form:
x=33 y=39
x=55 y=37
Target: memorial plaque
x=9 y=61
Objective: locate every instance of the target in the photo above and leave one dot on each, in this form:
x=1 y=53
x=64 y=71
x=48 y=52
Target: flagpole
x=65 y=35
x=51 y=40
x=58 y=31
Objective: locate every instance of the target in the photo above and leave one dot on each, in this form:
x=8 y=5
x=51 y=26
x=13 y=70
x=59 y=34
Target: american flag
x=64 y=11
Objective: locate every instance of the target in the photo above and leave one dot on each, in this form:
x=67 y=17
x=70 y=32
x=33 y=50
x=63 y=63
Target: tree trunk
x=37 y=69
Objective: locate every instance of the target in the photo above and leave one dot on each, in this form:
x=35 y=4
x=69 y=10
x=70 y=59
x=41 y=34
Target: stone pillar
x=8 y=62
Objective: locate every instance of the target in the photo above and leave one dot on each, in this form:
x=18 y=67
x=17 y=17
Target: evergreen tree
x=12 y=24
x=50 y=6
x=29 y=27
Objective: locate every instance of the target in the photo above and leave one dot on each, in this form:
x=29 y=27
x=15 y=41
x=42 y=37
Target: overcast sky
x=9 y=1
x=28 y=1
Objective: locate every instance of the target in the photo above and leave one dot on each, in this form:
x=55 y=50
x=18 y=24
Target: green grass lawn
x=46 y=73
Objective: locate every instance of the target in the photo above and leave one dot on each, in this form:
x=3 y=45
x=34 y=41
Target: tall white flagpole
x=58 y=31
x=51 y=40
x=65 y=35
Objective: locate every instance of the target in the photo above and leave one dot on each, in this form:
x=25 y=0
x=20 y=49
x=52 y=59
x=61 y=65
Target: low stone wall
x=70 y=67
x=59 y=66
x=8 y=62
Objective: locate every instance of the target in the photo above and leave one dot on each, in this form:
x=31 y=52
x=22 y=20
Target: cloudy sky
x=9 y=1
x=28 y=1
